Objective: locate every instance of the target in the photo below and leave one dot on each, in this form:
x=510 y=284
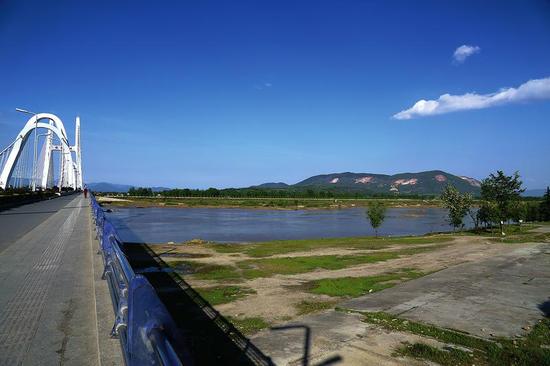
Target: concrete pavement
x=50 y=294
x=16 y=222
x=503 y=295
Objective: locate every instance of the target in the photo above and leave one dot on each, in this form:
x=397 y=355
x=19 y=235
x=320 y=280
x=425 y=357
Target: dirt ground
x=276 y=297
x=333 y=333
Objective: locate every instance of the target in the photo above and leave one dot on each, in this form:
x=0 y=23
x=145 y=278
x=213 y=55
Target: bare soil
x=277 y=296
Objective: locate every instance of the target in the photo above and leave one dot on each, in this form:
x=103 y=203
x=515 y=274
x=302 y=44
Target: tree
x=376 y=213
x=504 y=192
x=533 y=211
x=544 y=207
x=458 y=204
x=486 y=214
x=140 y=191
x=518 y=211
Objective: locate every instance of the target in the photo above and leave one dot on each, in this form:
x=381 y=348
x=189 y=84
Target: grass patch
x=524 y=238
x=308 y=307
x=501 y=351
x=184 y=255
x=255 y=268
x=286 y=266
x=269 y=202
x=270 y=248
x=357 y=286
x=514 y=234
x=249 y=326
x=267 y=267
x=203 y=271
x=446 y=357
x=224 y=294
x=392 y=322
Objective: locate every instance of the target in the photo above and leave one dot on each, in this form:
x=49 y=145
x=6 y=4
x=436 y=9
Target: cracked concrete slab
x=499 y=296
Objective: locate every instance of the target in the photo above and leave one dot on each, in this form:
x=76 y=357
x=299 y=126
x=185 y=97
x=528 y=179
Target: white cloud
x=446 y=103
x=465 y=51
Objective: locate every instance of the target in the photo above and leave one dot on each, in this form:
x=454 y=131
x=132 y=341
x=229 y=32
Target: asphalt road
x=16 y=222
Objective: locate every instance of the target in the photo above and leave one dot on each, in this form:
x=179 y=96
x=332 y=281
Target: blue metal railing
x=148 y=335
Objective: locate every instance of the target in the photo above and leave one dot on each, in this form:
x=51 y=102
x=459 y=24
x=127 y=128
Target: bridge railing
x=146 y=330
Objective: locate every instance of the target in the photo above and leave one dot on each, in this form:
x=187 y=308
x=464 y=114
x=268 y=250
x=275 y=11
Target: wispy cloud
x=263 y=86
x=446 y=103
x=465 y=51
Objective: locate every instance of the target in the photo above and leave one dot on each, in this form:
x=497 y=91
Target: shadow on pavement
x=545 y=308
x=26 y=213
x=209 y=337
x=307 y=345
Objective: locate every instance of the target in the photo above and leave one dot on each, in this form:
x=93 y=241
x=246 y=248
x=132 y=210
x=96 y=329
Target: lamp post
x=35 y=147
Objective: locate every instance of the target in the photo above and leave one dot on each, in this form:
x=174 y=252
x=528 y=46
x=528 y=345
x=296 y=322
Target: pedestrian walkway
x=48 y=294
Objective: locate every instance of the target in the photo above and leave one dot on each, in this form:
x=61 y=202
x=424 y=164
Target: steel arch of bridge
x=72 y=169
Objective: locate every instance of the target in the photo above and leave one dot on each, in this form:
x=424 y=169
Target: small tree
x=544 y=207
x=376 y=214
x=503 y=191
x=458 y=204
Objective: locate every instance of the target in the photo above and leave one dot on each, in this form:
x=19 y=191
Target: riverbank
x=262 y=203
x=294 y=275
x=273 y=283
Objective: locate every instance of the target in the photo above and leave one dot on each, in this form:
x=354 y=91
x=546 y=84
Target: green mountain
x=423 y=183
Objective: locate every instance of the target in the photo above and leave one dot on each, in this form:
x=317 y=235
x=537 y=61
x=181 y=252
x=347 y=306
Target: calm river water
x=159 y=225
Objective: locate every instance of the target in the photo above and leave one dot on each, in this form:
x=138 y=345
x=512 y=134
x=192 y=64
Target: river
x=160 y=225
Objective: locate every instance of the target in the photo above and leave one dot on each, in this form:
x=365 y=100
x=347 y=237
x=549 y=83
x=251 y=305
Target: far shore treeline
x=269 y=193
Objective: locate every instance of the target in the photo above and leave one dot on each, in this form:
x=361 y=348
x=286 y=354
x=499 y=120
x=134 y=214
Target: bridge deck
x=50 y=294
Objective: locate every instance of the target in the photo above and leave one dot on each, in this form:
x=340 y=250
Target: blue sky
x=204 y=93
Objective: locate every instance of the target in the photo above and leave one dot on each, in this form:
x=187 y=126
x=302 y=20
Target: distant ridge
x=273 y=185
x=534 y=192
x=424 y=183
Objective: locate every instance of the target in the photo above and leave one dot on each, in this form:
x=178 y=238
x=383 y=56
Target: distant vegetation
x=500 y=203
x=499 y=198
x=254 y=192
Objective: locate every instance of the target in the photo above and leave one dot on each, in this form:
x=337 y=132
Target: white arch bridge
x=41 y=156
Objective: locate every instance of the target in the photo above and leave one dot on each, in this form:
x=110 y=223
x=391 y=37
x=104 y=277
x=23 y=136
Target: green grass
x=204 y=271
x=392 y=322
x=523 y=238
x=357 y=286
x=514 y=234
x=270 y=248
x=224 y=294
x=273 y=203
x=293 y=265
x=308 y=307
x=249 y=325
x=447 y=357
x=500 y=351
x=266 y=267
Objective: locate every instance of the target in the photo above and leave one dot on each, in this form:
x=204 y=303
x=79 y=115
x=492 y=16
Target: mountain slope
x=109 y=187
x=424 y=183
